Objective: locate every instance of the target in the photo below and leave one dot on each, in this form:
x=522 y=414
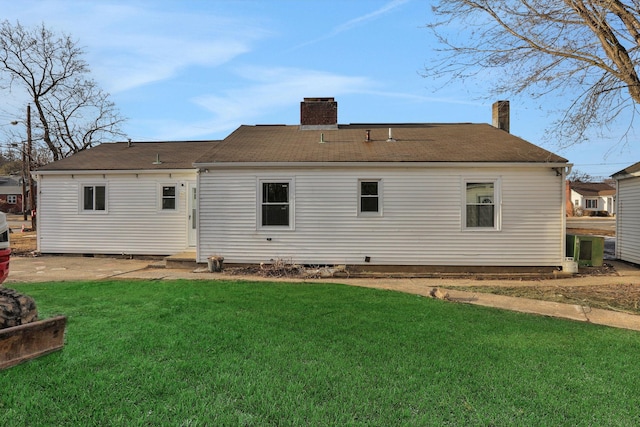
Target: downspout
x=197 y=207
x=617 y=213
x=563 y=241
x=38 y=185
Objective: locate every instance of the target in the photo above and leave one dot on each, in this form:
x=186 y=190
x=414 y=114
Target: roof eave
x=227 y=165
x=110 y=171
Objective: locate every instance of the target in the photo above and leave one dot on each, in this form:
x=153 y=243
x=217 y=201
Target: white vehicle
x=5 y=248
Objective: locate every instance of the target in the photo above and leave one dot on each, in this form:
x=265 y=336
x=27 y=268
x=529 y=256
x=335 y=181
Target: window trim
x=291 y=202
x=106 y=198
x=368 y=214
x=176 y=198
x=497 y=203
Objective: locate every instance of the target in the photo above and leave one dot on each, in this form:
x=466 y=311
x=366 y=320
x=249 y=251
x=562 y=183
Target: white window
x=275 y=204
x=12 y=199
x=94 y=198
x=591 y=203
x=370 y=197
x=481 y=201
x=168 y=198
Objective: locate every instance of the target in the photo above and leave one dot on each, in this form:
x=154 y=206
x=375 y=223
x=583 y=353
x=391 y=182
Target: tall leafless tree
x=71 y=113
x=583 y=50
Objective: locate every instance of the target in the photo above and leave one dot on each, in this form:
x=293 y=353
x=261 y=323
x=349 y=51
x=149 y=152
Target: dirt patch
x=624 y=297
x=23 y=243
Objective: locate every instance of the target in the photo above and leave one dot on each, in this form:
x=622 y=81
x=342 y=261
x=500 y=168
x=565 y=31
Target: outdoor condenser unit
x=587 y=251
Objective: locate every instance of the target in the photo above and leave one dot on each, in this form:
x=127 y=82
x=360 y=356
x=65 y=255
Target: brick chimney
x=319 y=113
x=500 y=115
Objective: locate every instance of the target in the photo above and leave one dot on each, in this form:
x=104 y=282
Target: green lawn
x=189 y=353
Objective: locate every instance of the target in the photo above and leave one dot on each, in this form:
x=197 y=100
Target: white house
x=120 y=198
x=12 y=193
x=628 y=214
x=593 y=198
x=381 y=194
x=375 y=195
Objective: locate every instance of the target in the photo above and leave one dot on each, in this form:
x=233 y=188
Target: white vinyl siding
x=627 y=218
x=131 y=225
x=421 y=225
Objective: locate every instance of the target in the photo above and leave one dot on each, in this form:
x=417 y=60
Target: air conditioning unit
x=587 y=251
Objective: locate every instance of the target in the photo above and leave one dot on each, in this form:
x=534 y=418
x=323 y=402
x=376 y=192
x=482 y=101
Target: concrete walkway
x=67 y=268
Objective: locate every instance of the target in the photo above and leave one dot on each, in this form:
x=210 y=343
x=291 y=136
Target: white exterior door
x=192 y=209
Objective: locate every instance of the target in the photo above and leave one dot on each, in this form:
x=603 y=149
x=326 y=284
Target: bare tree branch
x=585 y=50
x=71 y=112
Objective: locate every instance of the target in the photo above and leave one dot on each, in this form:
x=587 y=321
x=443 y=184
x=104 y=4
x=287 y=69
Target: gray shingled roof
x=593 y=188
x=629 y=169
x=346 y=143
x=137 y=156
x=10 y=185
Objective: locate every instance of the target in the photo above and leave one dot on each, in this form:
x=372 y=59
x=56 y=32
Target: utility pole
x=24 y=184
x=32 y=198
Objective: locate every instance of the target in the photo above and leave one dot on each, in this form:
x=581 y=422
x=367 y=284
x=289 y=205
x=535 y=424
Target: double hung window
x=275 y=204
x=168 y=201
x=370 y=197
x=481 y=207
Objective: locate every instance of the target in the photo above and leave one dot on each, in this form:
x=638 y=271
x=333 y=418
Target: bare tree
x=71 y=112
x=579 y=176
x=583 y=50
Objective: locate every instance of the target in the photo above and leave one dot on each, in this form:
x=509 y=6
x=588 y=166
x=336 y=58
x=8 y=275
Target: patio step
x=182 y=260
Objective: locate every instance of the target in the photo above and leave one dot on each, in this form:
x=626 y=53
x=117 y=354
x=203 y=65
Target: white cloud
x=161 y=59
x=267 y=90
x=129 y=45
x=368 y=17
x=355 y=22
x=279 y=87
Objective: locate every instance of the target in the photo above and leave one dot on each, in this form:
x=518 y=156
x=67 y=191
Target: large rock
x=16 y=308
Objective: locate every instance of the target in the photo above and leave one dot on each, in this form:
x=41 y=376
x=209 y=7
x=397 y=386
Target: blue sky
x=191 y=70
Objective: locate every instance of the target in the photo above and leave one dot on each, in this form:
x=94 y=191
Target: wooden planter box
x=25 y=342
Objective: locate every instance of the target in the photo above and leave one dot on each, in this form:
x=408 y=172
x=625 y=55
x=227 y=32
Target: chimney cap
x=329 y=99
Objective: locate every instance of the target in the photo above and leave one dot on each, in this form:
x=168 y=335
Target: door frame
x=192 y=214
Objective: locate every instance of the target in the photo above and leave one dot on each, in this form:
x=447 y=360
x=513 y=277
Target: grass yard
x=198 y=353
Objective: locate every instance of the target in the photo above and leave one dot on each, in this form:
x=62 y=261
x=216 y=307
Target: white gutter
x=618 y=177
x=112 y=171
x=290 y=165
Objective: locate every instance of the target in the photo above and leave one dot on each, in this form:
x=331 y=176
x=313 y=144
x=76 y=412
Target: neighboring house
x=120 y=198
x=593 y=198
x=11 y=194
x=628 y=214
x=320 y=193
